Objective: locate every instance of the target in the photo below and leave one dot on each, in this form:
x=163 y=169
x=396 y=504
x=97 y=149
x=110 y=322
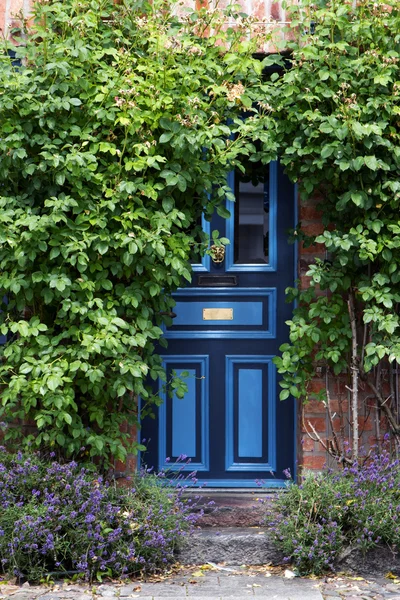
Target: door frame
x=204 y=266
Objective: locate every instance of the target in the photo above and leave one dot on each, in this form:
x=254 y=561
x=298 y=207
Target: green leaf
x=371 y=162
x=357 y=198
x=358 y=163
x=284 y=394
x=166 y=137
x=168 y=204
x=98 y=442
x=67 y=418
x=53 y=382
x=223 y=212
x=21 y=153
x=102 y=247
x=60 y=438
x=327 y=151
x=121 y=390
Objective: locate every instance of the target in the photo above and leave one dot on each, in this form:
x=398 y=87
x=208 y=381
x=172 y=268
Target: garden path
x=218 y=583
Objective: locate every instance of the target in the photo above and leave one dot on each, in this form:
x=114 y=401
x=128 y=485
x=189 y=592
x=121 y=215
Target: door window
x=251 y=228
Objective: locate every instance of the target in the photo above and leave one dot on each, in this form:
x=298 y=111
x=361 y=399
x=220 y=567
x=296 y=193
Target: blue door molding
x=265 y=393
x=184 y=422
x=231 y=266
x=267 y=329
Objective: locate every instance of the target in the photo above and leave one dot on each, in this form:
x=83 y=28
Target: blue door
x=229 y=325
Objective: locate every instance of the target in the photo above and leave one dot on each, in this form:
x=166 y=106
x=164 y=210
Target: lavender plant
x=58 y=518
x=357 y=507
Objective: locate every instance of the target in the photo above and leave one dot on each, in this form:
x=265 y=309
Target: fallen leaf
x=219 y=568
x=390 y=575
x=256 y=585
x=289 y=574
x=193 y=581
x=198 y=574
x=138 y=588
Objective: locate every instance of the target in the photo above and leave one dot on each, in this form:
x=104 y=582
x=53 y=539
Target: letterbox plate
x=217 y=314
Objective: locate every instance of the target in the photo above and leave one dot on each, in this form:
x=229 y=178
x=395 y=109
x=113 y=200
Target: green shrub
x=61 y=518
x=358 y=507
x=117 y=132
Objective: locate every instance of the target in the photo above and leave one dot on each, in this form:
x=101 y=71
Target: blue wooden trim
x=184 y=419
x=244 y=313
x=268 y=333
x=296 y=275
x=230 y=265
x=228 y=291
x=240 y=483
x=230 y=464
x=203 y=465
x=205 y=265
x=250 y=432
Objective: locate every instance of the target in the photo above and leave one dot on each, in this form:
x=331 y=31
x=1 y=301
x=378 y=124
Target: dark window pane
x=252 y=216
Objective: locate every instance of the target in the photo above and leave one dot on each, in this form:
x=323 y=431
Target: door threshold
x=240 y=485
x=207 y=490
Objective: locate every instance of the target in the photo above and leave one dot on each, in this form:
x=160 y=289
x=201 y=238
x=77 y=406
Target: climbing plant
x=338 y=109
x=117 y=131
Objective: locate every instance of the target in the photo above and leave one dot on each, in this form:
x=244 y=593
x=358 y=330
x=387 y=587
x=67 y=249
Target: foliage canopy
x=338 y=109
x=116 y=133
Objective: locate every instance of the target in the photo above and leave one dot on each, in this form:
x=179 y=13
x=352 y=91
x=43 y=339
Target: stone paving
x=218 y=583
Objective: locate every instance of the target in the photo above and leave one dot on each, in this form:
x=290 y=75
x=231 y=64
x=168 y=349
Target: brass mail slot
x=217 y=314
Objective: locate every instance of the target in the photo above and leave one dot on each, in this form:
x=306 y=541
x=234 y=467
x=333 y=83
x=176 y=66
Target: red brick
x=316 y=385
x=319 y=424
x=314 y=462
x=131 y=464
x=307 y=444
x=119 y=466
x=308 y=212
x=365 y=424
x=315 y=407
x=276 y=11
x=315 y=249
x=373 y=440
x=305 y=282
x=384 y=424
x=336 y=406
x=312 y=227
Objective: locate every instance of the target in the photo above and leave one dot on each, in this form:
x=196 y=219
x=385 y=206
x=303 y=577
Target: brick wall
x=9 y=12
x=372 y=424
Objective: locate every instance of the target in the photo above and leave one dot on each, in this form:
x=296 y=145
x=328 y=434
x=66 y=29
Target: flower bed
x=59 y=518
x=315 y=523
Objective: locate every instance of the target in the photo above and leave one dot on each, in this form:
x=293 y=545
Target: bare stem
x=355 y=372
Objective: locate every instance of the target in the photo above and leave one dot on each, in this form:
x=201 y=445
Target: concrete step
x=229 y=545
x=232 y=509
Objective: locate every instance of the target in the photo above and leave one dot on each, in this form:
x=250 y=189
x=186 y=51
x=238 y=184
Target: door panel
x=229 y=326
x=184 y=424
